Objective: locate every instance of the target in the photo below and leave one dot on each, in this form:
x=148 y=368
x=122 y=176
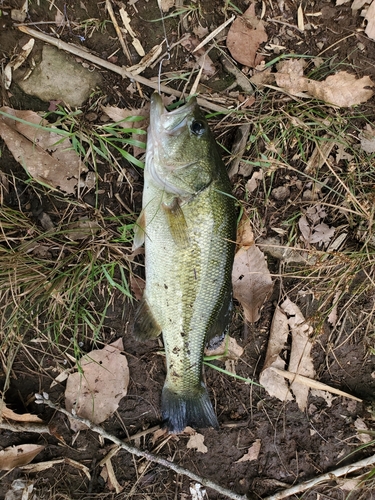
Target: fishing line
x=168 y=54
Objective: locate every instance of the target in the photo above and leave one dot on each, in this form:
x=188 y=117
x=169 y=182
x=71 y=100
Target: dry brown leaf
x=251 y=280
x=360 y=425
x=312 y=227
x=332 y=317
x=81 y=229
x=244 y=38
x=262 y=76
x=10 y=415
x=274 y=384
x=300 y=357
x=96 y=392
x=252 y=183
x=327 y=396
x=289 y=319
x=191 y=44
x=252 y=453
x=349 y=484
x=200 y=31
x=165 y=5
x=342 y=89
x=290 y=77
x=16 y=456
x=370 y=18
x=56 y=165
x=196 y=442
x=358 y=4
x=367 y=137
x=229 y=349
x=245 y=235
x=137 y=286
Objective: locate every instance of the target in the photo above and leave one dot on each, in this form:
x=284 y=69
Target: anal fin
x=145 y=327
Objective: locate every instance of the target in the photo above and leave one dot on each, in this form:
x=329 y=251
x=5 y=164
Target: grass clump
x=314 y=151
x=59 y=281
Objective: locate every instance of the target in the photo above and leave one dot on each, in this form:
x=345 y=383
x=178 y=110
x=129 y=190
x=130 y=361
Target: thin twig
x=328 y=476
x=25 y=427
x=118 y=31
x=73 y=49
x=214 y=33
x=145 y=454
x=313 y=384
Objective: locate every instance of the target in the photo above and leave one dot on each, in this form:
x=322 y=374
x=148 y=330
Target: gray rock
x=59 y=77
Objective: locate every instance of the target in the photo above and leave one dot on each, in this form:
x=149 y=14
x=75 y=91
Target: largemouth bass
x=188 y=226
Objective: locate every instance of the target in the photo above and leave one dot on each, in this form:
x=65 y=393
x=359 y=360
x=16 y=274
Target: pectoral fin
x=176 y=222
x=145 y=326
x=139 y=231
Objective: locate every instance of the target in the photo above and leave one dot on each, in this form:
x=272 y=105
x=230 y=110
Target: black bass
x=188 y=226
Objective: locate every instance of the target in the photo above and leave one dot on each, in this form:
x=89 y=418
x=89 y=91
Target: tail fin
x=182 y=409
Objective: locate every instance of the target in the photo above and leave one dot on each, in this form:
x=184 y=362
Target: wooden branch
x=24 y=427
x=328 y=476
x=145 y=454
x=77 y=51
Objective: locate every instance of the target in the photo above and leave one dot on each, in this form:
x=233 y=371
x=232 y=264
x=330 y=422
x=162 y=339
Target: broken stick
x=77 y=51
x=145 y=454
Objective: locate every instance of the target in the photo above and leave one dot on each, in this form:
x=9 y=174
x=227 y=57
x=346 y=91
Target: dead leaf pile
x=288 y=319
x=45 y=155
x=251 y=279
x=312 y=228
x=95 y=393
x=244 y=38
x=342 y=89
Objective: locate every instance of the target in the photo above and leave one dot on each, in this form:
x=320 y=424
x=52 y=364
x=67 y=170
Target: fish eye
x=197 y=127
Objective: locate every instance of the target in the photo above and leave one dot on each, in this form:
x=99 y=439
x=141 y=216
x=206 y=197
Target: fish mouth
x=169 y=122
x=165 y=125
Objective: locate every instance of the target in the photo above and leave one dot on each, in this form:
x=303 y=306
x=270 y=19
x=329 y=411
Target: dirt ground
x=295 y=446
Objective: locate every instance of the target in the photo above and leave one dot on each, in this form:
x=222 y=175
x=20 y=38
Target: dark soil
x=295 y=446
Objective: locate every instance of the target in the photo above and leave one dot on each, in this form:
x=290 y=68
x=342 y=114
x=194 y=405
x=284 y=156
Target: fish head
x=181 y=151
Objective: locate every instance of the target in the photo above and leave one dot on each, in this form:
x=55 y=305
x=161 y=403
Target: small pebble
x=281 y=193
